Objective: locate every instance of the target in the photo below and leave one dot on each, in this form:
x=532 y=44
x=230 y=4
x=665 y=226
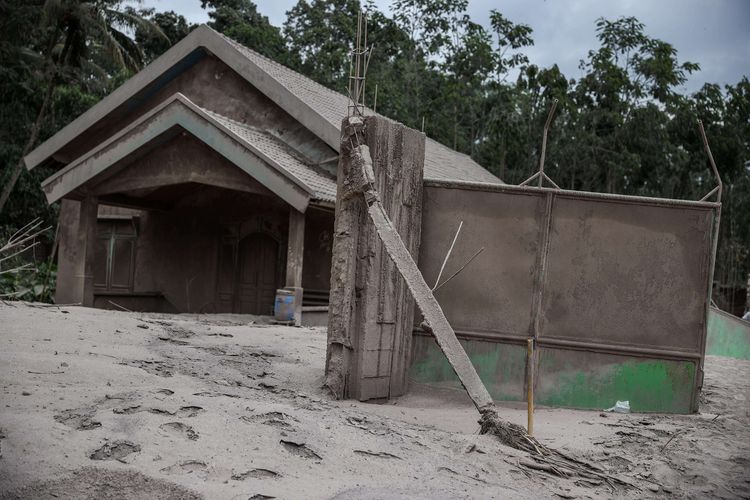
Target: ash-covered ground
x=101 y=404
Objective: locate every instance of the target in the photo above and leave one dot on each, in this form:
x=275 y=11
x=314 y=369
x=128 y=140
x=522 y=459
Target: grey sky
x=713 y=33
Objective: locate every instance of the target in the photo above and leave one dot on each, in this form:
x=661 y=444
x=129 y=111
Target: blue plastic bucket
x=283 y=307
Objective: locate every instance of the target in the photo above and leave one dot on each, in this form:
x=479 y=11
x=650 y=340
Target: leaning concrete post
x=371 y=312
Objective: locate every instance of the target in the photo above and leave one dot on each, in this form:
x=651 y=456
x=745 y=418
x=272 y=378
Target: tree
x=628 y=71
x=479 y=62
x=75 y=34
x=241 y=21
x=622 y=127
x=173 y=26
x=726 y=115
x=322 y=33
x=431 y=25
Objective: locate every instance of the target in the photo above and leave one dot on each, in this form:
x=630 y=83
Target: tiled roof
x=281 y=156
x=441 y=163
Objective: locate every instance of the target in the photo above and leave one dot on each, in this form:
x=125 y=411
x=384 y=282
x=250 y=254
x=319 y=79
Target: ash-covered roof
x=259 y=155
x=317 y=180
x=318 y=108
x=441 y=162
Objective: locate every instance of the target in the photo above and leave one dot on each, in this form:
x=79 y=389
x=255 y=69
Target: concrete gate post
x=371 y=311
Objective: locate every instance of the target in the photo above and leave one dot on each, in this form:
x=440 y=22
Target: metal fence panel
x=626 y=273
x=478 y=299
x=613 y=288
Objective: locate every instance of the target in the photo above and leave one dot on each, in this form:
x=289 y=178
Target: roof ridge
x=318 y=107
x=265 y=133
x=277 y=64
x=274 y=62
x=449 y=148
x=259 y=134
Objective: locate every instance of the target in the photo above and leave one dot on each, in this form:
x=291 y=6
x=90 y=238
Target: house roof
x=260 y=155
x=315 y=106
x=441 y=162
x=319 y=182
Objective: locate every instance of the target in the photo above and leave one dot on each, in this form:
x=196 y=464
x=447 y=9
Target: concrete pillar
x=294 y=260
x=371 y=312
x=87 y=227
x=75 y=275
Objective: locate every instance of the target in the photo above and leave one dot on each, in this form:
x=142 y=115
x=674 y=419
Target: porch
x=181 y=220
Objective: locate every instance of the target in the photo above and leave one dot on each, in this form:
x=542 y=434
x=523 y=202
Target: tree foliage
x=241 y=21
x=624 y=126
x=172 y=28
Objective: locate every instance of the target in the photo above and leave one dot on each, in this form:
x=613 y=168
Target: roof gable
x=316 y=107
x=259 y=155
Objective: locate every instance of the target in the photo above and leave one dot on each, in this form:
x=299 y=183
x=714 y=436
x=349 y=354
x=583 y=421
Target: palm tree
x=83 y=37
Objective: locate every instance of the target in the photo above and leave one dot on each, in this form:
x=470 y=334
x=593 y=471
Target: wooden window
x=114 y=258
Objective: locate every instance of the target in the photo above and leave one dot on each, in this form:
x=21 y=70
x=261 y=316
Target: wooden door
x=114 y=257
x=258 y=270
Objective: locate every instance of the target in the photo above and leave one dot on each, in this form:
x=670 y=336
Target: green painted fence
x=566 y=378
x=728 y=335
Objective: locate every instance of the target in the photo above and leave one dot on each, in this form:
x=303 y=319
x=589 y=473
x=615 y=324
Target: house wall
x=613 y=290
x=177 y=253
x=69 y=254
x=179 y=159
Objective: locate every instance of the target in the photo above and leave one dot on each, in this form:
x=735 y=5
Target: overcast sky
x=713 y=33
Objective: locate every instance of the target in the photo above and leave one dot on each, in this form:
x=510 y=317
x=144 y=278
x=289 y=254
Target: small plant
x=33 y=284
x=22 y=278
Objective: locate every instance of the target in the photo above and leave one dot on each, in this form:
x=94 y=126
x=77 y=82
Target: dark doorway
x=257 y=261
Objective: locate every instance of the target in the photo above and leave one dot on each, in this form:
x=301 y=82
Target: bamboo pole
x=530 y=386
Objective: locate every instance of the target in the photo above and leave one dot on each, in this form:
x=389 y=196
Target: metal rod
x=554 y=184
x=447 y=256
x=707 y=149
x=530 y=386
x=575 y=345
x=375 y=103
x=357 y=73
x=710 y=193
x=544 y=142
x=568 y=193
x=459 y=270
x=354 y=72
x=714 y=247
x=366 y=57
x=529 y=179
x=350 y=89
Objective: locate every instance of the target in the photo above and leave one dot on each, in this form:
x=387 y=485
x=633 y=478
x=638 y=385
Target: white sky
x=713 y=33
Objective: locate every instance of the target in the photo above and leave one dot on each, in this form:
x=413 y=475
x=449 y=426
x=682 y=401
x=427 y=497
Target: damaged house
x=208 y=181
x=205 y=183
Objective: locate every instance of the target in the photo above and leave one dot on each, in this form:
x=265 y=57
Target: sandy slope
x=100 y=404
